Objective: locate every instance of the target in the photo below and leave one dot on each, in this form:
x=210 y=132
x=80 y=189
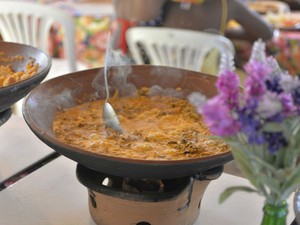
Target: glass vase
x=275 y=214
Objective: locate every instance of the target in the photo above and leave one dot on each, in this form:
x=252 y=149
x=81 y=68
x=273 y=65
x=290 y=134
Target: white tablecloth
x=19 y=147
x=53 y=196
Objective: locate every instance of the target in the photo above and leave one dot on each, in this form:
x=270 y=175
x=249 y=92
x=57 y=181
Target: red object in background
x=286 y=49
x=124 y=24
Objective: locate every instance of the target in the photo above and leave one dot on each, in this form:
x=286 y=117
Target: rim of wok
x=119 y=166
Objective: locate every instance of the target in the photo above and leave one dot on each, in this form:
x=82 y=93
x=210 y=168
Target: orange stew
x=157 y=128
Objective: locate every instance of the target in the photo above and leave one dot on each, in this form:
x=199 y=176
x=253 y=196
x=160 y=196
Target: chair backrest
x=30 y=23
x=175 y=47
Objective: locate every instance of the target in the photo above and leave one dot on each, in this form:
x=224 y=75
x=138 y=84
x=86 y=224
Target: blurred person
x=202 y=15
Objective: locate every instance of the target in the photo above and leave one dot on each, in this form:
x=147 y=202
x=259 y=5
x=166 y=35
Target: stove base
x=111 y=205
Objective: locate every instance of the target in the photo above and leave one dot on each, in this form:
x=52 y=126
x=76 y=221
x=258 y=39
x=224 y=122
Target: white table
x=19 y=147
x=52 y=195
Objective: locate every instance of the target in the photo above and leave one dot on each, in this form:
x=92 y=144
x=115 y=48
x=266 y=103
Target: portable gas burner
x=123 y=201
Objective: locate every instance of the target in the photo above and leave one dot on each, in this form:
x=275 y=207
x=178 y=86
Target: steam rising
x=158 y=90
x=119 y=79
x=60 y=98
x=197 y=99
x=122 y=68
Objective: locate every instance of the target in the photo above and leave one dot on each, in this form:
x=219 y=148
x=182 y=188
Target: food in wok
x=156 y=128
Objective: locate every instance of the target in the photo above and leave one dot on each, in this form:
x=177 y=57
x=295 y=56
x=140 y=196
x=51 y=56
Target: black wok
x=71 y=89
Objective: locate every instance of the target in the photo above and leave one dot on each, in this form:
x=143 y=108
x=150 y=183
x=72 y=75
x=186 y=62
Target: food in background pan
x=9 y=76
x=263 y=7
x=284 y=20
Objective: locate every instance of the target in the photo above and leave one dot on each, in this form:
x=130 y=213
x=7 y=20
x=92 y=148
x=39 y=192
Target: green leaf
x=273 y=184
x=229 y=191
x=295 y=175
x=244 y=164
x=264 y=164
x=287 y=192
x=292 y=182
x=283 y=174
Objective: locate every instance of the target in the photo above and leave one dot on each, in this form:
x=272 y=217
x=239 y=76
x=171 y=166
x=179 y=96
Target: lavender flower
x=289 y=83
x=255 y=82
x=296 y=96
x=269 y=106
x=275 y=141
x=288 y=107
x=228 y=87
x=273 y=84
x=250 y=126
x=273 y=64
x=261 y=125
x=258 y=53
x=270 y=96
x=218 y=118
x=226 y=63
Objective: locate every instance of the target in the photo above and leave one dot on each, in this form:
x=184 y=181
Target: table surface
x=52 y=195
x=19 y=148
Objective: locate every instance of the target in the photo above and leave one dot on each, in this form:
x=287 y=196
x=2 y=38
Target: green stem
x=279 y=159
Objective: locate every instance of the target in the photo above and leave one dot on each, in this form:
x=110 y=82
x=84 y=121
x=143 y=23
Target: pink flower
x=255 y=85
x=218 y=118
x=288 y=105
x=228 y=87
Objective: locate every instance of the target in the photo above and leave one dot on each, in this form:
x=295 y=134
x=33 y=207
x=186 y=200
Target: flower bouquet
x=261 y=124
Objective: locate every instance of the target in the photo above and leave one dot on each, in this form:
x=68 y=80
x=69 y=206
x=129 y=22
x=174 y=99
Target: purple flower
x=273 y=64
x=273 y=84
x=275 y=141
x=269 y=106
x=270 y=96
x=255 y=85
x=289 y=83
x=258 y=69
x=228 y=87
x=250 y=126
x=296 y=96
x=288 y=107
x=218 y=117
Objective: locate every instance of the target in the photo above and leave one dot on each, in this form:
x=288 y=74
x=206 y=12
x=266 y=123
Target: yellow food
x=263 y=7
x=283 y=20
x=157 y=128
x=7 y=74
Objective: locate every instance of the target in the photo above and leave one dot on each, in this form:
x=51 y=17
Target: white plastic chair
x=30 y=23
x=179 y=48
